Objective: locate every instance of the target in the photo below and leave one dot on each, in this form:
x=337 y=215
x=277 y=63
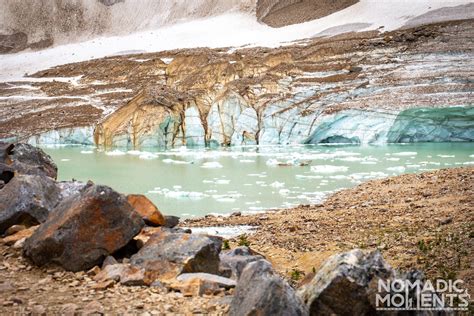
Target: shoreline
x=432 y=212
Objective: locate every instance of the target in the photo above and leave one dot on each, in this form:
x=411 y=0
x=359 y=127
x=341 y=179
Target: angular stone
x=343 y=285
x=83 y=229
x=260 y=291
x=168 y=254
x=126 y=274
x=149 y=212
x=171 y=221
x=27 y=199
x=236 y=260
x=196 y=287
x=27 y=159
x=68 y=309
x=220 y=281
x=25 y=233
x=109 y=261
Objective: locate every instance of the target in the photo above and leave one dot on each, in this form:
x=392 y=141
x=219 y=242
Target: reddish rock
x=149 y=212
x=84 y=229
x=168 y=254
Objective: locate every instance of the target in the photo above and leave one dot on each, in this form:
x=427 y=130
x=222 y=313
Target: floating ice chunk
x=469 y=163
x=184 y=194
x=87 y=152
x=222 y=181
x=368 y=162
x=177 y=162
x=177 y=187
x=328 y=169
x=302 y=176
x=211 y=165
x=247 y=160
x=339 y=177
x=406 y=153
x=65 y=159
x=351 y=158
x=471 y=156
x=413 y=166
x=272 y=162
x=207 y=181
x=446 y=156
x=392 y=159
x=259 y=175
x=115 y=153
x=396 y=169
x=134 y=152
x=147 y=155
x=248 y=184
x=277 y=184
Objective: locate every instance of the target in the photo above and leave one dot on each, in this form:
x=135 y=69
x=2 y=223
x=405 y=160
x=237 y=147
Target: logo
x=402 y=294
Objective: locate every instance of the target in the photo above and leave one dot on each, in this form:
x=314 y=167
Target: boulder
x=346 y=284
x=84 y=229
x=234 y=261
x=27 y=199
x=168 y=254
x=27 y=159
x=260 y=291
x=171 y=221
x=149 y=212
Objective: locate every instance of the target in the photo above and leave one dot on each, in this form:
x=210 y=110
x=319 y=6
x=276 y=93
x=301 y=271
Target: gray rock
x=222 y=282
x=109 y=261
x=346 y=284
x=260 y=291
x=27 y=199
x=168 y=254
x=233 y=262
x=171 y=221
x=84 y=229
x=69 y=188
x=27 y=159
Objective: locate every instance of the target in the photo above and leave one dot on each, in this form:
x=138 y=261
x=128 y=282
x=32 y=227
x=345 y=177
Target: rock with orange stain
x=24 y=233
x=168 y=254
x=149 y=212
x=84 y=229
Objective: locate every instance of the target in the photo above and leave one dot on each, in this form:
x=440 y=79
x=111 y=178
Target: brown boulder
x=84 y=229
x=168 y=254
x=149 y=212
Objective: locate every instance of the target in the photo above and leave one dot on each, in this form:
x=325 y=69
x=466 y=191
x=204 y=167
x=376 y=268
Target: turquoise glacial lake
x=194 y=182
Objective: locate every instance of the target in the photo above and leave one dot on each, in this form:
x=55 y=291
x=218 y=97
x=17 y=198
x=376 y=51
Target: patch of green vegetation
x=424 y=247
x=225 y=245
x=296 y=274
x=243 y=241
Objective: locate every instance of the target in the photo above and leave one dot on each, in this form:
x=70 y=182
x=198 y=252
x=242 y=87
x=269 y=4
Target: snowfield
x=233 y=30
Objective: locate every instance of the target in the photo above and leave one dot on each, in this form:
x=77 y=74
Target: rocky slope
x=403 y=86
